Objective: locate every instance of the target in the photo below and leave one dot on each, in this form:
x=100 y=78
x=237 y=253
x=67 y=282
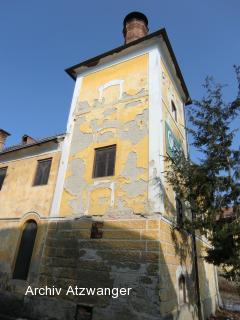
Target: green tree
x=210 y=185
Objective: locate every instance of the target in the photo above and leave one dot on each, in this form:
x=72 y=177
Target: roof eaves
x=5 y=132
x=94 y=61
x=38 y=142
x=161 y=32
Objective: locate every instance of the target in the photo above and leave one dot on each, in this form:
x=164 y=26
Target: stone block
x=113 y=244
x=125 y=224
x=150 y=234
x=115 y=234
x=153 y=245
x=150 y=257
x=153 y=224
x=120 y=256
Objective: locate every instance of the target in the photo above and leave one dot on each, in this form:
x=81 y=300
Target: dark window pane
x=42 y=173
x=3 y=172
x=104 y=162
x=25 y=251
x=95 y=232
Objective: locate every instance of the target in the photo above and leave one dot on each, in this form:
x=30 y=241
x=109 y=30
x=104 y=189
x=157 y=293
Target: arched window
x=174 y=111
x=25 y=250
x=182 y=290
x=179 y=211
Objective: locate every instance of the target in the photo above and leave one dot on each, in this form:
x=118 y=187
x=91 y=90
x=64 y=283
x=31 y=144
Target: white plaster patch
x=110 y=84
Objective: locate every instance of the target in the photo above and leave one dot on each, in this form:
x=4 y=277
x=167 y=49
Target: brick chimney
x=135 y=26
x=3 y=136
x=27 y=139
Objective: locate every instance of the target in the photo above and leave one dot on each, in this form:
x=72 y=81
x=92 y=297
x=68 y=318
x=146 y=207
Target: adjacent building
x=28 y=173
x=97 y=198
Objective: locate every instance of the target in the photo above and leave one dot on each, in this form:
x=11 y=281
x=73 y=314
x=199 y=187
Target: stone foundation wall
x=147 y=256
x=125 y=257
x=138 y=254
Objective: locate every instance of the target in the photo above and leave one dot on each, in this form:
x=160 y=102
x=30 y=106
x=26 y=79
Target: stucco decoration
x=110 y=84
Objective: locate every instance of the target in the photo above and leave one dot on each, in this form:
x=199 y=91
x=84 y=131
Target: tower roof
x=161 y=33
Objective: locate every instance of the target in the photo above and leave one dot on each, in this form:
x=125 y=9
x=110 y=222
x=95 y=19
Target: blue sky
x=39 y=39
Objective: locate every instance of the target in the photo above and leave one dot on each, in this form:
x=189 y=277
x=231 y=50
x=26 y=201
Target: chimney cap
x=4 y=132
x=26 y=139
x=135 y=15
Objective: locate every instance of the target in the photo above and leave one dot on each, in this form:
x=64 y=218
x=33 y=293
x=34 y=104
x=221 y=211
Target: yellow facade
x=112 y=109
x=21 y=201
x=18 y=196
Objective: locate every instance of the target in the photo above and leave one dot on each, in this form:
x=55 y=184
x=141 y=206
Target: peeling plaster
x=80 y=140
x=107 y=124
x=94 y=125
x=72 y=183
x=132 y=131
x=82 y=107
x=143 y=92
x=131 y=170
x=83 y=141
x=116 y=116
x=136 y=188
x=123 y=208
x=109 y=111
x=76 y=186
x=105 y=136
x=133 y=104
x=97 y=103
x=110 y=124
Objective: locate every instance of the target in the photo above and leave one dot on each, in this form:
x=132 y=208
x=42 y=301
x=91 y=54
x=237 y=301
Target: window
x=42 y=173
x=95 y=232
x=182 y=290
x=174 y=111
x=104 y=161
x=179 y=211
x=3 y=172
x=25 y=250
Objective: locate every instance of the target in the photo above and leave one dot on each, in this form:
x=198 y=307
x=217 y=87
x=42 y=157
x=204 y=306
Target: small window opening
x=42 y=172
x=174 y=111
x=104 y=161
x=3 y=172
x=25 y=250
x=182 y=290
x=95 y=232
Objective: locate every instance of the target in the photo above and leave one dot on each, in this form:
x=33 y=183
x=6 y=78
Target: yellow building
x=28 y=173
x=114 y=221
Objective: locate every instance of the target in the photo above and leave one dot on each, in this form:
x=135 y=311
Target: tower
x=111 y=241
x=127 y=113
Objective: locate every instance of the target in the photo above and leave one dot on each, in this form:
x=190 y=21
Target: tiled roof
x=37 y=142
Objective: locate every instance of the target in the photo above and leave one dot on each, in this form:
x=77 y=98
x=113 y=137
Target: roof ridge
x=21 y=145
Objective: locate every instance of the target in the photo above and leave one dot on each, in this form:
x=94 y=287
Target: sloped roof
x=37 y=142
